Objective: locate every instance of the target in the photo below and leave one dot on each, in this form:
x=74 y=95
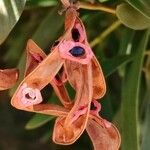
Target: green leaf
x=49 y=28
x=131 y=17
x=125 y=46
x=111 y=65
x=146 y=130
x=40 y=3
x=10 y=11
x=141 y=5
x=37 y=121
x=126 y=41
x=145 y=127
x=102 y=1
x=130 y=95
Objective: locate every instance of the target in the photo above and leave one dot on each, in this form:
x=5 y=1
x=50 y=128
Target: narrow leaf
x=102 y=1
x=126 y=41
x=10 y=11
x=142 y=5
x=37 y=121
x=40 y=3
x=146 y=135
x=145 y=109
x=48 y=29
x=132 y=18
x=130 y=93
x=111 y=65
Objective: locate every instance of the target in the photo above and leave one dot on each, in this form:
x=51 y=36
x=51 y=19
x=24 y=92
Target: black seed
x=77 y=51
x=75 y=34
x=93 y=106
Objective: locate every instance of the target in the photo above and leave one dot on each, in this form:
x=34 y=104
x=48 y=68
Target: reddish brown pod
x=8 y=78
x=71 y=59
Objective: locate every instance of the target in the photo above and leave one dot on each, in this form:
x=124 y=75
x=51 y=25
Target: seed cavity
x=75 y=34
x=59 y=74
x=30 y=97
x=93 y=107
x=37 y=57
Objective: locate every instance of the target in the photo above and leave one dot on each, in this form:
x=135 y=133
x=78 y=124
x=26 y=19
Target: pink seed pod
x=29 y=96
x=83 y=57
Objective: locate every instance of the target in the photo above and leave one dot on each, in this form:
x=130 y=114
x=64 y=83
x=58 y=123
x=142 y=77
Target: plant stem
x=96 y=7
x=147 y=52
x=65 y=3
x=105 y=33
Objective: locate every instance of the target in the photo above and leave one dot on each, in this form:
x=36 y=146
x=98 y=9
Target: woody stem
x=97 y=7
x=66 y=3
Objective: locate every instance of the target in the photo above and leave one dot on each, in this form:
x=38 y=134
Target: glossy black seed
x=93 y=106
x=75 y=34
x=77 y=51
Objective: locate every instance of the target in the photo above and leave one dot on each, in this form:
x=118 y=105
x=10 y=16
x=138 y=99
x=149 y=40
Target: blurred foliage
x=132 y=18
x=10 y=12
x=141 y=5
x=123 y=52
